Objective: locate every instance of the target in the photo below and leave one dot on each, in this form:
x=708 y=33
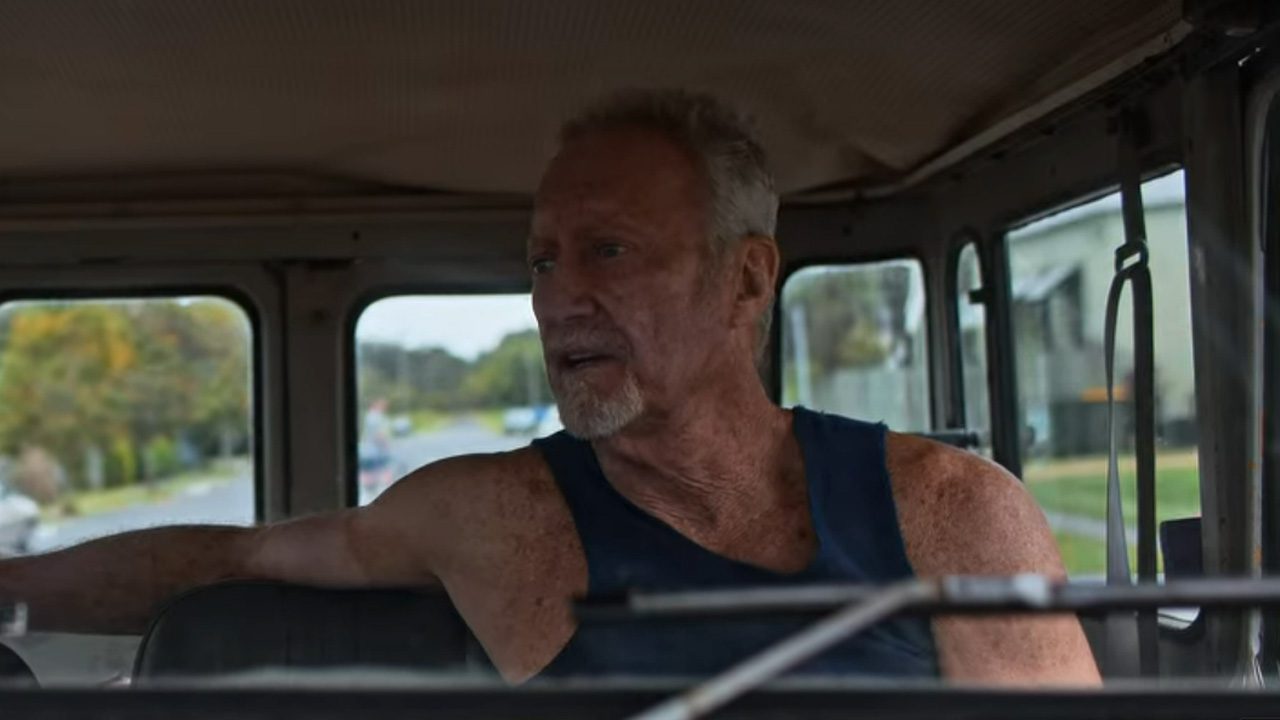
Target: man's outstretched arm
x=115 y=584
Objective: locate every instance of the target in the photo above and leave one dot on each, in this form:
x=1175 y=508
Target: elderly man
x=654 y=267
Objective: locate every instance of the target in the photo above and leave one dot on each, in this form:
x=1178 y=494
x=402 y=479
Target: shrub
x=161 y=458
x=122 y=463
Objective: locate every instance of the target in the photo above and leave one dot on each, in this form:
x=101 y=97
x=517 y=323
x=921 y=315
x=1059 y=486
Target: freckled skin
x=618 y=242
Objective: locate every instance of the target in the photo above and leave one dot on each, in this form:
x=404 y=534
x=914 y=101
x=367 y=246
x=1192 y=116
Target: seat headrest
x=238 y=626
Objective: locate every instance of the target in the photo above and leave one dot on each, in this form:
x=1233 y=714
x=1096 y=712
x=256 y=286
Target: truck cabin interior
x=956 y=180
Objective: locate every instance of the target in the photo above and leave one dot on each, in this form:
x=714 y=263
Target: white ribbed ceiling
x=466 y=95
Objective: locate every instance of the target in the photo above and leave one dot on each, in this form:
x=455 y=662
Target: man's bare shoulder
x=467 y=484
x=962 y=513
x=934 y=475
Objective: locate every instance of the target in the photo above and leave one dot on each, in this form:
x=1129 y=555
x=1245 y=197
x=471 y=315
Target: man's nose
x=564 y=294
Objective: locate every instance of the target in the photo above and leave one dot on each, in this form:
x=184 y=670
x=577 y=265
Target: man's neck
x=720 y=455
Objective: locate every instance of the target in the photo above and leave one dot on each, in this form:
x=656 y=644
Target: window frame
x=350 y=385
x=234 y=294
x=1150 y=172
x=956 y=246
x=1008 y=449
x=1264 y=133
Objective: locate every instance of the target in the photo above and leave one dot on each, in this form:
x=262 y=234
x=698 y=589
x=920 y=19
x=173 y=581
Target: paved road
x=228 y=501
x=460 y=438
x=231 y=502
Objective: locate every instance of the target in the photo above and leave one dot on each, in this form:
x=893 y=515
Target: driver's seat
x=239 y=626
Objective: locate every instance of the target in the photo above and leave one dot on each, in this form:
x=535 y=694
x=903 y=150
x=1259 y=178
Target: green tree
x=513 y=373
x=410 y=379
x=222 y=409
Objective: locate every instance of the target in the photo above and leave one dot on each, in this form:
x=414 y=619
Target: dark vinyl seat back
x=238 y=626
x=14 y=671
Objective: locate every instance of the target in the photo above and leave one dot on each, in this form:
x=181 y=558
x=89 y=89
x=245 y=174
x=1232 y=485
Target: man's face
x=619 y=253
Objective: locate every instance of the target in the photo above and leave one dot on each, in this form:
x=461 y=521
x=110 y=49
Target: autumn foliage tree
x=125 y=381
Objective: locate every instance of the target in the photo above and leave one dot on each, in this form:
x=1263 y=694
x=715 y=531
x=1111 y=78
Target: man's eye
x=610 y=250
x=541 y=266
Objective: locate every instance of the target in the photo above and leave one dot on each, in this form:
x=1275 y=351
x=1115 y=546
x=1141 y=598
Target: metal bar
x=1271 y=427
x=1007 y=421
x=953 y=357
x=792 y=651
x=958 y=594
x=605 y=699
x=1270 y=214
x=1225 y=317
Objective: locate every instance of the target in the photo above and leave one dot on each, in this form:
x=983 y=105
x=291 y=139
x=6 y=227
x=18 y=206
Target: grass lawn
x=1078 y=487
x=1082 y=490
x=93 y=502
x=1082 y=555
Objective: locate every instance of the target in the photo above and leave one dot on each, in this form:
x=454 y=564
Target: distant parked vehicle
x=520 y=420
x=401 y=426
x=19 y=516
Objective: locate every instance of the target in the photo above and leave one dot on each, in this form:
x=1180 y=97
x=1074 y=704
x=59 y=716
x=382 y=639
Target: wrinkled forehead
x=619 y=177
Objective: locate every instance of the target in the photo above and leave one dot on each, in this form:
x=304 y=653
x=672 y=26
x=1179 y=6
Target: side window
x=117 y=414
x=971 y=319
x=1061 y=268
x=854 y=342
x=445 y=375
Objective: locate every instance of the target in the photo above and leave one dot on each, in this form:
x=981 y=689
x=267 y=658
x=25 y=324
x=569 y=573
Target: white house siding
x=1065 y=373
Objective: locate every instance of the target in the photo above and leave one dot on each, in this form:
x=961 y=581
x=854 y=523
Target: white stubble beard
x=590 y=415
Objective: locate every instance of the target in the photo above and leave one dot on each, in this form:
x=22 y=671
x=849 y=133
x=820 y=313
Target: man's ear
x=759 y=276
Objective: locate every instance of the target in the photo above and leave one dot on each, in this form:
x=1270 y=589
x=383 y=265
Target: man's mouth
x=584 y=360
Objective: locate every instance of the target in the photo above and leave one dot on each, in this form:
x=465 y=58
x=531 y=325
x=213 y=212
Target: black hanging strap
x=1132 y=269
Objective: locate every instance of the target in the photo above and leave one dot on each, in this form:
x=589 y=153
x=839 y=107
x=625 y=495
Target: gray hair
x=743 y=200
x=722 y=140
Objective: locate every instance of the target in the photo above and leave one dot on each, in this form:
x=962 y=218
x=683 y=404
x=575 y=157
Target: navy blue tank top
x=853 y=516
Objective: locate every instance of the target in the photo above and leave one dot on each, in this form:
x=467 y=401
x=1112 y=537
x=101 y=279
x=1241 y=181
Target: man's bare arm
x=963 y=515
x=115 y=584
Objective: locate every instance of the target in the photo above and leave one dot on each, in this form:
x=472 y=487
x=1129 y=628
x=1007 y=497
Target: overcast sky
x=465 y=325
